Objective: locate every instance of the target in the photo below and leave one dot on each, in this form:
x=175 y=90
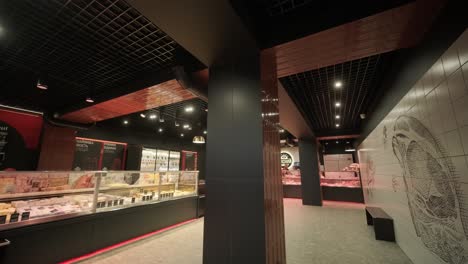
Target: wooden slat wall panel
x=372 y=35
x=273 y=188
x=158 y=95
x=57 y=148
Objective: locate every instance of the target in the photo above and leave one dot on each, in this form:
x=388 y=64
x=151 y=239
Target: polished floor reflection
x=334 y=233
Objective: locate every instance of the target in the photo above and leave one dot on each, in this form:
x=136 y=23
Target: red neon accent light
x=124 y=243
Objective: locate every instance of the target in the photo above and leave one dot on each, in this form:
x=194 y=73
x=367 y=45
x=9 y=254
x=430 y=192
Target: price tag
x=25 y=216
x=14 y=218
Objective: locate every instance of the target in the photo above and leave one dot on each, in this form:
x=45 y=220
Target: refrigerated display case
x=40 y=197
x=162 y=160
x=174 y=161
x=148 y=159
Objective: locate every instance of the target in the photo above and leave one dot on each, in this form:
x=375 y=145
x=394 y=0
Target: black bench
x=382 y=222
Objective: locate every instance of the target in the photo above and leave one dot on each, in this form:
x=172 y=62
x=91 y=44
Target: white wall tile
x=453 y=144
x=462 y=47
x=439 y=114
x=450 y=60
x=456 y=85
x=460 y=108
x=464 y=138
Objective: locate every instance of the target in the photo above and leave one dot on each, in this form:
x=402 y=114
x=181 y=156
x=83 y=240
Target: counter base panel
x=343 y=194
x=58 y=241
x=292 y=191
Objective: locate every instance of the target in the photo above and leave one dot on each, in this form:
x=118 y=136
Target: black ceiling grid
x=275 y=22
x=281 y=7
x=315 y=94
x=170 y=113
x=83 y=47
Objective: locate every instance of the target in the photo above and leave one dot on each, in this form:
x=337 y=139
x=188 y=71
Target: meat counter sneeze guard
x=42 y=196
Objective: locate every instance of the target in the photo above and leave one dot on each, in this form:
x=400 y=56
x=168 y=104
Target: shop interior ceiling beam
x=208 y=29
x=291 y=118
x=397 y=28
x=165 y=93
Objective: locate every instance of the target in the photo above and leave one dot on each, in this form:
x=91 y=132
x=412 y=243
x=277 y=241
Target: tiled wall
x=414 y=164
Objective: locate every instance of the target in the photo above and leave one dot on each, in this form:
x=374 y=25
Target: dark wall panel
x=310 y=178
x=57 y=148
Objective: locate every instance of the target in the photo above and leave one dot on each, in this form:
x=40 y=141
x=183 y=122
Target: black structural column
x=310 y=177
x=234 y=219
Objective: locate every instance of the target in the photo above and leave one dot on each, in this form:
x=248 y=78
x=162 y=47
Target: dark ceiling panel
x=80 y=47
x=315 y=95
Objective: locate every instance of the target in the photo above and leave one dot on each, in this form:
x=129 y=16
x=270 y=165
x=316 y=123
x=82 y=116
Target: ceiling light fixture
x=160 y=130
x=206 y=110
x=153 y=116
x=337 y=142
x=198 y=140
x=338 y=84
x=189 y=109
x=205 y=132
x=281 y=130
x=176 y=124
x=41 y=85
x=186 y=126
x=125 y=122
x=337 y=116
x=349 y=149
x=89 y=100
x=161 y=119
x=182 y=135
x=337 y=104
x=337 y=125
x=143 y=115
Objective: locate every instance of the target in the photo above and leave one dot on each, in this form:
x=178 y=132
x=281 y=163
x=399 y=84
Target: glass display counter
x=38 y=197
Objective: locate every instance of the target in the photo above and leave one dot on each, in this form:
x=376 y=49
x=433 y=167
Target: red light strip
x=124 y=243
x=102 y=141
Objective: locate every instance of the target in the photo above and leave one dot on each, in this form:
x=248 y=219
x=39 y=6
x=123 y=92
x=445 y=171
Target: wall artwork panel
x=414 y=164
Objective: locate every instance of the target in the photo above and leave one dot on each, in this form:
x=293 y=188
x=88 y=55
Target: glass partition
x=37 y=197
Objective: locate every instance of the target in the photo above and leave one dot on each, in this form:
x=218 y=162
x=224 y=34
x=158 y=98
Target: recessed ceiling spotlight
x=176 y=124
x=337 y=142
x=337 y=116
x=337 y=104
x=160 y=130
x=189 y=109
x=347 y=142
x=143 y=115
x=186 y=126
x=182 y=135
x=41 y=85
x=161 y=119
x=326 y=143
x=205 y=132
x=153 y=116
x=89 y=100
x=337 y=125
x=338 y=84
x=190 y=128
x=206 y=110
x=125 y=122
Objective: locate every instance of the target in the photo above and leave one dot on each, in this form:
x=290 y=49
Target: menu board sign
x=112 y=156
x=87 y=155
x=12 y=148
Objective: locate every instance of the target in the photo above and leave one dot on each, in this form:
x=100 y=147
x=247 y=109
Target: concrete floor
x=334 y=233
